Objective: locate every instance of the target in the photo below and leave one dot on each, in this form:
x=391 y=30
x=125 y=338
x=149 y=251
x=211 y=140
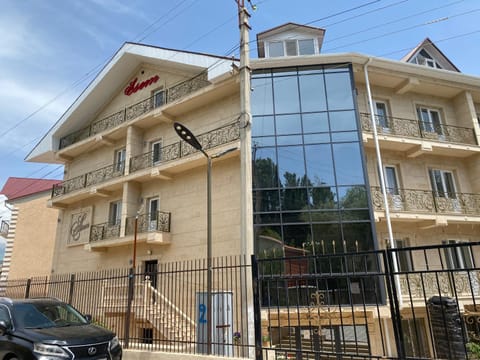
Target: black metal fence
x=159 y=307
x=408 y=303
x=413 y=303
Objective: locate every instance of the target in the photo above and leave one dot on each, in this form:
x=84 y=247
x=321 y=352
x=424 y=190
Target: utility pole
x=246 y=223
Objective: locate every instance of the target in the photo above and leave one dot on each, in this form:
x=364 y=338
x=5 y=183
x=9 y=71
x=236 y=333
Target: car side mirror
x=88 y=318
x=3 y=328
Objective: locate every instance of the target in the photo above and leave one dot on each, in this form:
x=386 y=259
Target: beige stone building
x=322 y=126
x=30 y=232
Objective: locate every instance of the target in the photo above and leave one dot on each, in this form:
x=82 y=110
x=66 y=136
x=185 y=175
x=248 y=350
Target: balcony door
x=430 y=120
x=159 y=98
x=115 y=213
x=381 y=115
x=156 y=152
x=153 y=208
x=444 y=190
x=119 y=161
x=392 y=186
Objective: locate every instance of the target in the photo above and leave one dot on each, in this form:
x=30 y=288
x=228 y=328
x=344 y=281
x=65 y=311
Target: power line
x=406 y=29
x=393 y=22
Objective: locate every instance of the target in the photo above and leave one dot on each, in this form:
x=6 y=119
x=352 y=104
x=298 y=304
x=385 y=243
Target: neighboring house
x=30 y=233
x=315 y=185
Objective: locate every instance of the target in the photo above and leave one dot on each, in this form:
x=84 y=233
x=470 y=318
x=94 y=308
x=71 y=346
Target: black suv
x=49 y=329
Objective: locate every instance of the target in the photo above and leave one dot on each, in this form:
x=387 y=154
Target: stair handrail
x=166 y=301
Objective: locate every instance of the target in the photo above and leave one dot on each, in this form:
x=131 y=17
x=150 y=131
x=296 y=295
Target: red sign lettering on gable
x=133 y=87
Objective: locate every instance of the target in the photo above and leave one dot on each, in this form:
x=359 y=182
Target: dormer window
x=424 y=58
x=291 y=47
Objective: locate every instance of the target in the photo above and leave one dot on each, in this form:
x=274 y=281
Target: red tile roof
x=16 y=188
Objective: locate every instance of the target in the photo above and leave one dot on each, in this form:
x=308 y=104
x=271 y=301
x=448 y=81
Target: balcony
x=209 y=140
x=151 y=229
x=395 y=133
x=89 y=179
x=428 y=201
x=133 y=111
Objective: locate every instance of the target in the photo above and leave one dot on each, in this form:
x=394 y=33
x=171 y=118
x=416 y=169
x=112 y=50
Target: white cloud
x=28 y=98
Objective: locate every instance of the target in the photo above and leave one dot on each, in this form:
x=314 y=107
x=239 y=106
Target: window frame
x=396 y=187
x=119 y=159
x=428 y=125
x=444 y=192
x=456 y=257
x=156 y=159
x=155 y=93
x=385 y=124
x=115 y=213
x=285 y=47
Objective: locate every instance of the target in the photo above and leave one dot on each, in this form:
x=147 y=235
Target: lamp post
x=186 y=135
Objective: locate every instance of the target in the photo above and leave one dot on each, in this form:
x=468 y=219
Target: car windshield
x=46 y=315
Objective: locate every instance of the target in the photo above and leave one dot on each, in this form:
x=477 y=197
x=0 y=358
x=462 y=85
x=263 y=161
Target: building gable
x=428 y=54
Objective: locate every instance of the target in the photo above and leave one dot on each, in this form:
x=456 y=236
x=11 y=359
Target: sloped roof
x=115 y=74
x=434 y=51
x=16 y=187
x=289 y=28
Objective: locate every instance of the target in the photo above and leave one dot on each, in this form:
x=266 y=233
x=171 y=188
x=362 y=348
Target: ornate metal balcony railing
x=209 y=140
x=166 y=153
x=4 y=228
x=91 y=178
x=159 y=221
x=69 y=185
x=133 y=111
x=390 y=125
x=428 y=201
x=104 y=231
x=104 y=174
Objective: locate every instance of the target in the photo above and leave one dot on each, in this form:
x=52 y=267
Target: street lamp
x=186 y=135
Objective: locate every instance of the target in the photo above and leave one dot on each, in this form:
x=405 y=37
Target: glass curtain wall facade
x=309 y=179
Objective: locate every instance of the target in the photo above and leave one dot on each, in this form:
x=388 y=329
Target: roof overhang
x=112 y=78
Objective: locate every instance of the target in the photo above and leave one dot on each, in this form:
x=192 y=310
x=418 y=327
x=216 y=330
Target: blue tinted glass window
x=261 y=98
x=288 y=124
x=263 y=125
x=317 y=122
x=320 y=164
x=343 y=120
x=286 y=95
x=312 y=92
x=339 y=91
x=348 y=164
x=291 y=165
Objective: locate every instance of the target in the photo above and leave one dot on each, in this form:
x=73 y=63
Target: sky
x=51 y=49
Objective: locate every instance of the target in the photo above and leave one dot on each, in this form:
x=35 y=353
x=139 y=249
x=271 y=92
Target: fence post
x=392 y=292
x=256 y=310
x=72 y=285
x=27 y=288
x=131 y=284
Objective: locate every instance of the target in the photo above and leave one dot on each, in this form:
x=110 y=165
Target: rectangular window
x=391 y=180
x=458 y=257
x=443 y=184
x=404 y=260
x=275 y=49
x=306 y=47
x=115 y=214
x=291 y=47
x=156 y=151
x=415 y=338
x=381 y=114
x=153 y=207
x=430 y=120
x=159 y=98
x=120 y=160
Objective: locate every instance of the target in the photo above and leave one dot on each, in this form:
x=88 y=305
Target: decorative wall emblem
x=80 y=226
x=133 y=87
